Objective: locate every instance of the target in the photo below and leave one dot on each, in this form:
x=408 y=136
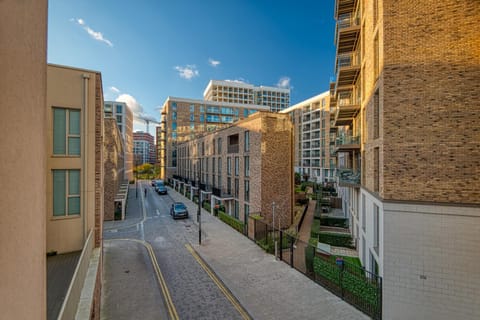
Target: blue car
x=179 y=210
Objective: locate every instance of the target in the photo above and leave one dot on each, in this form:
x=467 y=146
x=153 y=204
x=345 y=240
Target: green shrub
x=206 y=206
x=231 y=221
x=315 y=229
x=336 y=239
x=334 y=222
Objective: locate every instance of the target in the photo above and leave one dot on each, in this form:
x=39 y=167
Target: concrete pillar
x=23 y=39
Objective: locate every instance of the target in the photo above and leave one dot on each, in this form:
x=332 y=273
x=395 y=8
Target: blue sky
x=148 y=50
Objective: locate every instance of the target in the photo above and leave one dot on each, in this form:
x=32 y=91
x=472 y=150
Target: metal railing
x=349 y=176
x=346 y=140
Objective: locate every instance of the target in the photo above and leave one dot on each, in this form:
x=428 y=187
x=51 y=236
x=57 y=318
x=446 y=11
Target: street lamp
x=273 y=227
x=199 y=216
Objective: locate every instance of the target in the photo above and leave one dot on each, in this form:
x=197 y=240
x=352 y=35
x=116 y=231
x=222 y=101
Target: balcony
x=222 y=194
x=347 y=143
x=349 y=178
x=347 y=69
x=233 y=148
x=347 y=33
x=344 y=6
x=347 y=108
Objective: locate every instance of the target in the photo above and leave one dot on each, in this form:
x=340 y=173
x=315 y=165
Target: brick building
x=407 y=96
x=240 y=165
x=144 y=148
x=114 y=165
x=183 y=119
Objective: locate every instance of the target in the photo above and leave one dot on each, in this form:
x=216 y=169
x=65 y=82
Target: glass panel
x=74 y=146
x=59 y=131
x=58 y=192
x=74 y=182
x=74 y=122
x=73 y=205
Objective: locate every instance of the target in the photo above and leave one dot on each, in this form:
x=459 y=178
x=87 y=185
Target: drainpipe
x=85 y=77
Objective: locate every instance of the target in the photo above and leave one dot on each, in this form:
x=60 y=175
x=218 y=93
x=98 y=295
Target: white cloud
x=284 y=82
x=114 y=89
x=213 y=63
x=139 y=114
x=239 y=80
x=187 y=72
x=97 y=35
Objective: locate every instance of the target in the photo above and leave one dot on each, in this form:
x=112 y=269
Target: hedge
x=231 y=221
x=206 y=206
x=334 y=222
x=336 y=239
x=357 y=284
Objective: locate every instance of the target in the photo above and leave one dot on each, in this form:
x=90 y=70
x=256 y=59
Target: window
x=219 y=147
x=174 y=115
x=237 y=187
x=235 y=210
x=376 y=229
x=247 y=190
x=364 y=217
x=66 y=192
x=247 y=141
x=66 y=132
x=376 y=115
x=247 y=166
x=229 y=165
x=219 y=165
x=237 y=165
x=119 y=108
x=246 y=214
x=192 y=117
x=376 y=57
x=174 y=106
x=376 y=170
x=192 y=108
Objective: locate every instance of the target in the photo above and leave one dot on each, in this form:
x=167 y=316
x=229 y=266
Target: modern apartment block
x=247 y=167
x=243 y=93
x=407 y=100
x=144 y=148
x=74 y=178
x=183 y=119
x=114 y=163
x=124 y=116
x=314 y=146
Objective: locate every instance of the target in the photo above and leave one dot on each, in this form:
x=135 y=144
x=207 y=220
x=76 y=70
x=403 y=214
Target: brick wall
x=113 y=165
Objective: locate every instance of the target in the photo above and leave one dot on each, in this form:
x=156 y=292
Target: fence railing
x=352 y=283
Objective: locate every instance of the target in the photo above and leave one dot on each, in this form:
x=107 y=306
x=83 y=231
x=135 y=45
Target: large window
x=247 y=141
x=229 y=165
x=247 y=166
x=247 y=190
x=66 y=192
x=66 y=132
x=237 y=187
x=237 y=165
x=376 y=229
x=376 y=115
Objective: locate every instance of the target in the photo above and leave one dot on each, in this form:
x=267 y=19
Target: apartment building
x=314 y=146
x=239 y=167
x=243 y=93
x=183 y=119
x=144 y=148
x=124 y=117
x=114 y=163
x=74 y=177
x=406 y=96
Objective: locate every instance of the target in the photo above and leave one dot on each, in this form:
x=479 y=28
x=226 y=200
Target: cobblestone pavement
x=193 y=293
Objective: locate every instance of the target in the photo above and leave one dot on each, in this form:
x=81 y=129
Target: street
x=152 y=257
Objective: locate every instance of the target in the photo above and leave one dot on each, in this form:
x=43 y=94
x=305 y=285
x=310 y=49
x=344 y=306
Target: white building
x=238 y=92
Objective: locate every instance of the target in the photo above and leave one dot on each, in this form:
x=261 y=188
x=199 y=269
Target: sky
x=148 y=50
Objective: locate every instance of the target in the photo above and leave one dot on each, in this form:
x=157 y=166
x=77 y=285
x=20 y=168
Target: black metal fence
x=352 y=283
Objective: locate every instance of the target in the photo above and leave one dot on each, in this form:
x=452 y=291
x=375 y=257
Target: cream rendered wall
x=66 y=89
x=23 y=43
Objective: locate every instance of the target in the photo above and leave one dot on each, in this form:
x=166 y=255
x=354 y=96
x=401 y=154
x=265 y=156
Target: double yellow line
x=172 y=311
x=219 y=284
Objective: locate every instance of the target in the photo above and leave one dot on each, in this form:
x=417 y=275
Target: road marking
x=243 y=313
x=161 y=280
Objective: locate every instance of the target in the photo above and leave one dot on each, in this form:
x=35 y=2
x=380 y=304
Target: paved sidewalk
x=133 y=212
x=267 y=289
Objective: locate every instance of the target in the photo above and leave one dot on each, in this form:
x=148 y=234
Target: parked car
x=178 y=210
x=161 y=189
x=154 y=182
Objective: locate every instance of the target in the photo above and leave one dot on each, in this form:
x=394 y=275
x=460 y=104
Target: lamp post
x=199 y=216
x=273 y=227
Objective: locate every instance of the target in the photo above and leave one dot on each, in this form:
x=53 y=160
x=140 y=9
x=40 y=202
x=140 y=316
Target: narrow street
x=152 y=257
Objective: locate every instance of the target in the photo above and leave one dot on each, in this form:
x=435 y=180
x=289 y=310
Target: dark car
x=161 y=189
x=154 y=182
x=179 y=210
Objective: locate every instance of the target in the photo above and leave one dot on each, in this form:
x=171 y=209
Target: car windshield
x=180 y=206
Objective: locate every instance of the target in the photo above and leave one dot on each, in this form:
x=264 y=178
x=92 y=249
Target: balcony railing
x=347 y=140
x=233 y=148
x=221 y=193
x=349 y=177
